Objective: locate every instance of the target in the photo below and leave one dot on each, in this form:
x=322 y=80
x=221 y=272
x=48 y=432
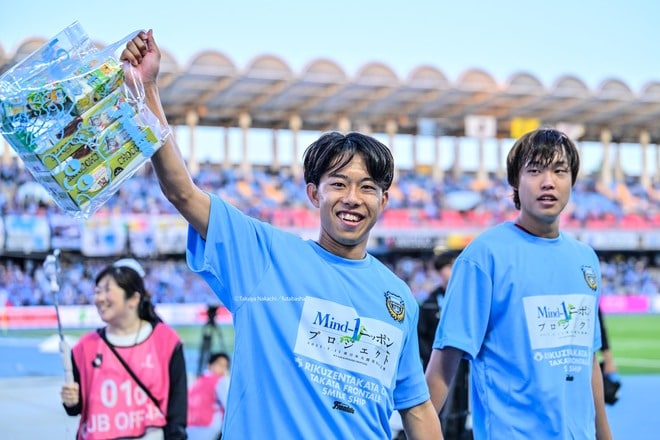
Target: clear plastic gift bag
x=75 y=115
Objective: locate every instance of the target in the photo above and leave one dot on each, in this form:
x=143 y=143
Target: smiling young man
x=326 y=341
x=522 y=306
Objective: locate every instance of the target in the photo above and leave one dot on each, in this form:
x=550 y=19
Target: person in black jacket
x=611 y=379
x=429 y=313
x=454 y=415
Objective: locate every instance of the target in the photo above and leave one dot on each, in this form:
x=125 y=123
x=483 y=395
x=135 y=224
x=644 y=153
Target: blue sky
x=593 y=40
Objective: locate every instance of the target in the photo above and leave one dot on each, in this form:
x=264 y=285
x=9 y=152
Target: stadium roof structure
x=267 y=93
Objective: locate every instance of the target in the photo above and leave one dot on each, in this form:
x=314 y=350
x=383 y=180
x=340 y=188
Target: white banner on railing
x=103 y=236
x=27 y=233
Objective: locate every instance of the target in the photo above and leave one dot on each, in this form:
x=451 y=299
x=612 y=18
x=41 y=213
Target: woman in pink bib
x=129 y=376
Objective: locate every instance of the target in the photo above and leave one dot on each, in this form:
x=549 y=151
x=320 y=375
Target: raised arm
x=173 y=175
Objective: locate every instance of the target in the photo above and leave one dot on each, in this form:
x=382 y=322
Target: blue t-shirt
x=524 y=309
x=325 y=347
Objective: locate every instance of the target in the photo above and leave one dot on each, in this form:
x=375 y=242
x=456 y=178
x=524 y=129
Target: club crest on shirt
x=590 y=277
x=395 y=306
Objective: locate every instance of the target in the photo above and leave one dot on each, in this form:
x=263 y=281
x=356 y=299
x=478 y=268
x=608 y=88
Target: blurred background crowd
x=416 y=199
x=279 y=197
x=23 y=282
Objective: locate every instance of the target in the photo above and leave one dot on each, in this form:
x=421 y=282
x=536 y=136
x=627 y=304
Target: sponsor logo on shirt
x=560 y=320
x=147 y=362
x=336 y=335
x=343 y=407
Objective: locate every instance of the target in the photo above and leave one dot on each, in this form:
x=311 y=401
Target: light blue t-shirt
x=325 y=347
x=525 y=311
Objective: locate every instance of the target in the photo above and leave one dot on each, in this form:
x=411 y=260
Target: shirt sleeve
x=466 y=313
x=235 y=254
x=410 y=389
x=177 y=405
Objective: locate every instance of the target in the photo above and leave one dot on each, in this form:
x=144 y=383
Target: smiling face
x=350 y=203
x=219 y=366
x=111 y=303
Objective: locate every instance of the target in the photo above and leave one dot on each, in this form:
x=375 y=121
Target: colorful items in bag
x=77 y=127
x=84 y=169
x=60 y=101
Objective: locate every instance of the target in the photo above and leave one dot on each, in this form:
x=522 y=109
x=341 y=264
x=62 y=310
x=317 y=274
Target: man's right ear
x=312 y=194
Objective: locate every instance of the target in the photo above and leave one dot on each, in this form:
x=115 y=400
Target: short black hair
x=445 y=258
x=542 y=146
x=218 y=355
x=333 y=151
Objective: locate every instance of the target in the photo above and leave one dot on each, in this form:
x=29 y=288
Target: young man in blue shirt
x=522 y=306
x=326 y=336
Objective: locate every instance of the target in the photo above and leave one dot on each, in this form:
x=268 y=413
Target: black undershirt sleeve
x=177 y=406
x=605 y=343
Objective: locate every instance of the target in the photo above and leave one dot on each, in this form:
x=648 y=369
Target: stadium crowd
x=23 y=282
x=269 y=194
x=277 y=197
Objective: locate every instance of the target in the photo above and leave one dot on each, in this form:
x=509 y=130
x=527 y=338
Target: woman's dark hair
x=333 y=151
x=217 y=355
x=131 y=282
x=540 y=146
